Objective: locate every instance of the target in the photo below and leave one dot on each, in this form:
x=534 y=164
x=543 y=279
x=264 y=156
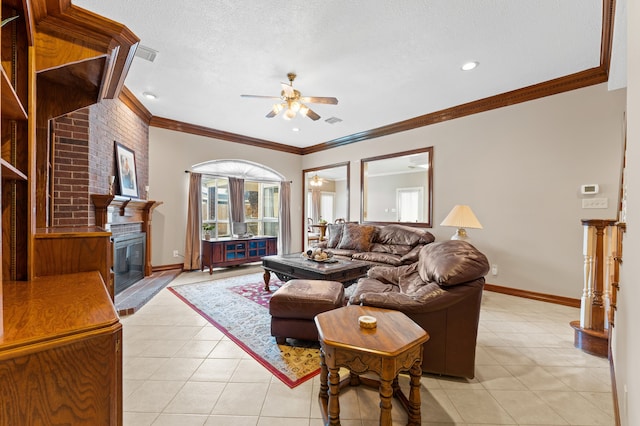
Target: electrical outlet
x=175 y=253
x=595 y=203
x=494 y=269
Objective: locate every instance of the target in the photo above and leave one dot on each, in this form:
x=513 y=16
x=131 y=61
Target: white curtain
x=315 y=205
x=284 y=240
x=194 y=223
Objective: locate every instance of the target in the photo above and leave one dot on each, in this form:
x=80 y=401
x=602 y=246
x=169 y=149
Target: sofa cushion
x=356 y=237
x=334 y=234
x=340 y=252
x=388 y=258
x=401 y=234
x=413 y=255
x=400 y=249
x=451 y=262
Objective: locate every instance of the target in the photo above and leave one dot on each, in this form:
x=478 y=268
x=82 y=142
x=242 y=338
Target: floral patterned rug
x=238 y=307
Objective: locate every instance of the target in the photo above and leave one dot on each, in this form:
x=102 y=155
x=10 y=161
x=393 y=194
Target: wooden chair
x=312 y=234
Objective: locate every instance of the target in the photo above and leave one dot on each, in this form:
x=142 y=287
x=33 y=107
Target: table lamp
x=461 y=217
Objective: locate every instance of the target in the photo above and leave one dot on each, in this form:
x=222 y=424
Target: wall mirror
x=398 y=188
x=325 y=198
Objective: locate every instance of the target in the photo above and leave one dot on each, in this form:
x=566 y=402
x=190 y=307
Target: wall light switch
x=595 y=203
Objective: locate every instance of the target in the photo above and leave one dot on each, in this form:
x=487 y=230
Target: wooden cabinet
x=68 y=250
x=222 y=252
x=60 y=353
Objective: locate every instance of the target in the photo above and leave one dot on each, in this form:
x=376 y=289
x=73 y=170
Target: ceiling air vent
x=333 y=120
x=146 y=53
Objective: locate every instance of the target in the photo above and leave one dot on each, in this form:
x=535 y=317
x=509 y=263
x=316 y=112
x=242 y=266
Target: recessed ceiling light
x=469 y=66
x=295 y=129
x=149 y=95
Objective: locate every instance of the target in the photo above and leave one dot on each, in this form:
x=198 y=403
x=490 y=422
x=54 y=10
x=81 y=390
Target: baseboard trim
x=167 y=267
x=550 y=298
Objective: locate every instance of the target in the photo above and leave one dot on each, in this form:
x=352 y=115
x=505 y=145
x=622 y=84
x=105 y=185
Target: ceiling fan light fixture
x=289 y=114
x=295 y=106
x=304 y=110
x=315 y=181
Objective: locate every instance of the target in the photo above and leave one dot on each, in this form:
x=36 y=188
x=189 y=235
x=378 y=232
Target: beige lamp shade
x=461 y=217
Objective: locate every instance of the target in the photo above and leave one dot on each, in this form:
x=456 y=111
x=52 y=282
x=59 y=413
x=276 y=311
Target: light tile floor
x=180 y=370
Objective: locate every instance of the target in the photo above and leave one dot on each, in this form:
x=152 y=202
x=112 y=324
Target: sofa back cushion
x=378 y=257
x=404 y=235
x=334 y=234
x=356 y=237
x=451 y=262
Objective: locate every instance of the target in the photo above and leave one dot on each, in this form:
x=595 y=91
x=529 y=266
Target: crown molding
x=552 y=87
x=179 y=126
x=129 y=99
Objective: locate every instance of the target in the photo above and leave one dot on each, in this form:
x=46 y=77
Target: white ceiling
x=385 y=61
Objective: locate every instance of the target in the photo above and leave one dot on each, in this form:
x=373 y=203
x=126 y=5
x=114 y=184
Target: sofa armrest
x=402 y=301
x=429 y=298
x=389 y=274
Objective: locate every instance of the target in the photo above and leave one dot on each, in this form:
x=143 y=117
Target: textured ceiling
x=385 y=61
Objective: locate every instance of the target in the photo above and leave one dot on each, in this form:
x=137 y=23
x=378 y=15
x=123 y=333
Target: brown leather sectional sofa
x=442 y=293
x=392 y=245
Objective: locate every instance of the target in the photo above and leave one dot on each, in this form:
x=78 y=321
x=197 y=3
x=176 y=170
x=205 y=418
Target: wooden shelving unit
x=10 y=172
x=12 y=108
x=60 y=336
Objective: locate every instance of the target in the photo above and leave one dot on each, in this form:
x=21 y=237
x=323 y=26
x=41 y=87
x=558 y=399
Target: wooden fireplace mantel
x=117 y=210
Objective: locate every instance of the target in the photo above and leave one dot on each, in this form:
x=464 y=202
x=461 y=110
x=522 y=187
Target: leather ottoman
x=294 y=306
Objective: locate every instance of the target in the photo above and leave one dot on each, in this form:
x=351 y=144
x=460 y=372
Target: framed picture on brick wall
x=126 y=162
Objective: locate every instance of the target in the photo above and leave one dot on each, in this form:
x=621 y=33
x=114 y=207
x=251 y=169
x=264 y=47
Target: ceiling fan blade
x=319 y=100
x=312 y=115
x=259 y=96
x=276 y=110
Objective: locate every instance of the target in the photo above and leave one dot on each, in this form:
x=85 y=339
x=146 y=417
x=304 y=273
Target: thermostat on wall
x=590 y=189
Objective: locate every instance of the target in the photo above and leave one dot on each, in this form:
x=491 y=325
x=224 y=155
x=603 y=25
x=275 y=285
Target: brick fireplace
x=125 y=216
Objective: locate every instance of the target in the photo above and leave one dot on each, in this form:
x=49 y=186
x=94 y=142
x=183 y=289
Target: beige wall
x=171 y=153
x=626 y=339
x=520 y=169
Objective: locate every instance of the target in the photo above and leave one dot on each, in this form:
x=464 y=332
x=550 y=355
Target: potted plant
x=208 y=227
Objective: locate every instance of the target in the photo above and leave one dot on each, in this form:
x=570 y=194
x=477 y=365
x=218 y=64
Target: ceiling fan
x=292 y=102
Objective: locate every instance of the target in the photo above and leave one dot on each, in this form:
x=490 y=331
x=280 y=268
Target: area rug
x=238 y=307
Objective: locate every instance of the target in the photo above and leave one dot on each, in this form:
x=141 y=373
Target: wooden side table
x=395 y=345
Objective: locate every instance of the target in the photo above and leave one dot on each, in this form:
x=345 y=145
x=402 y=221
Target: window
x=327 y=205
x=409 y=203
x=215 y=204
x=261 y=205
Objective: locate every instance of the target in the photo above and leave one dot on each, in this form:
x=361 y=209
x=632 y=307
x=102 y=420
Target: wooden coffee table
x=395 y=345
x=290 y=266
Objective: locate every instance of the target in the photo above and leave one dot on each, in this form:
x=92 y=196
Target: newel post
x=592 y=330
